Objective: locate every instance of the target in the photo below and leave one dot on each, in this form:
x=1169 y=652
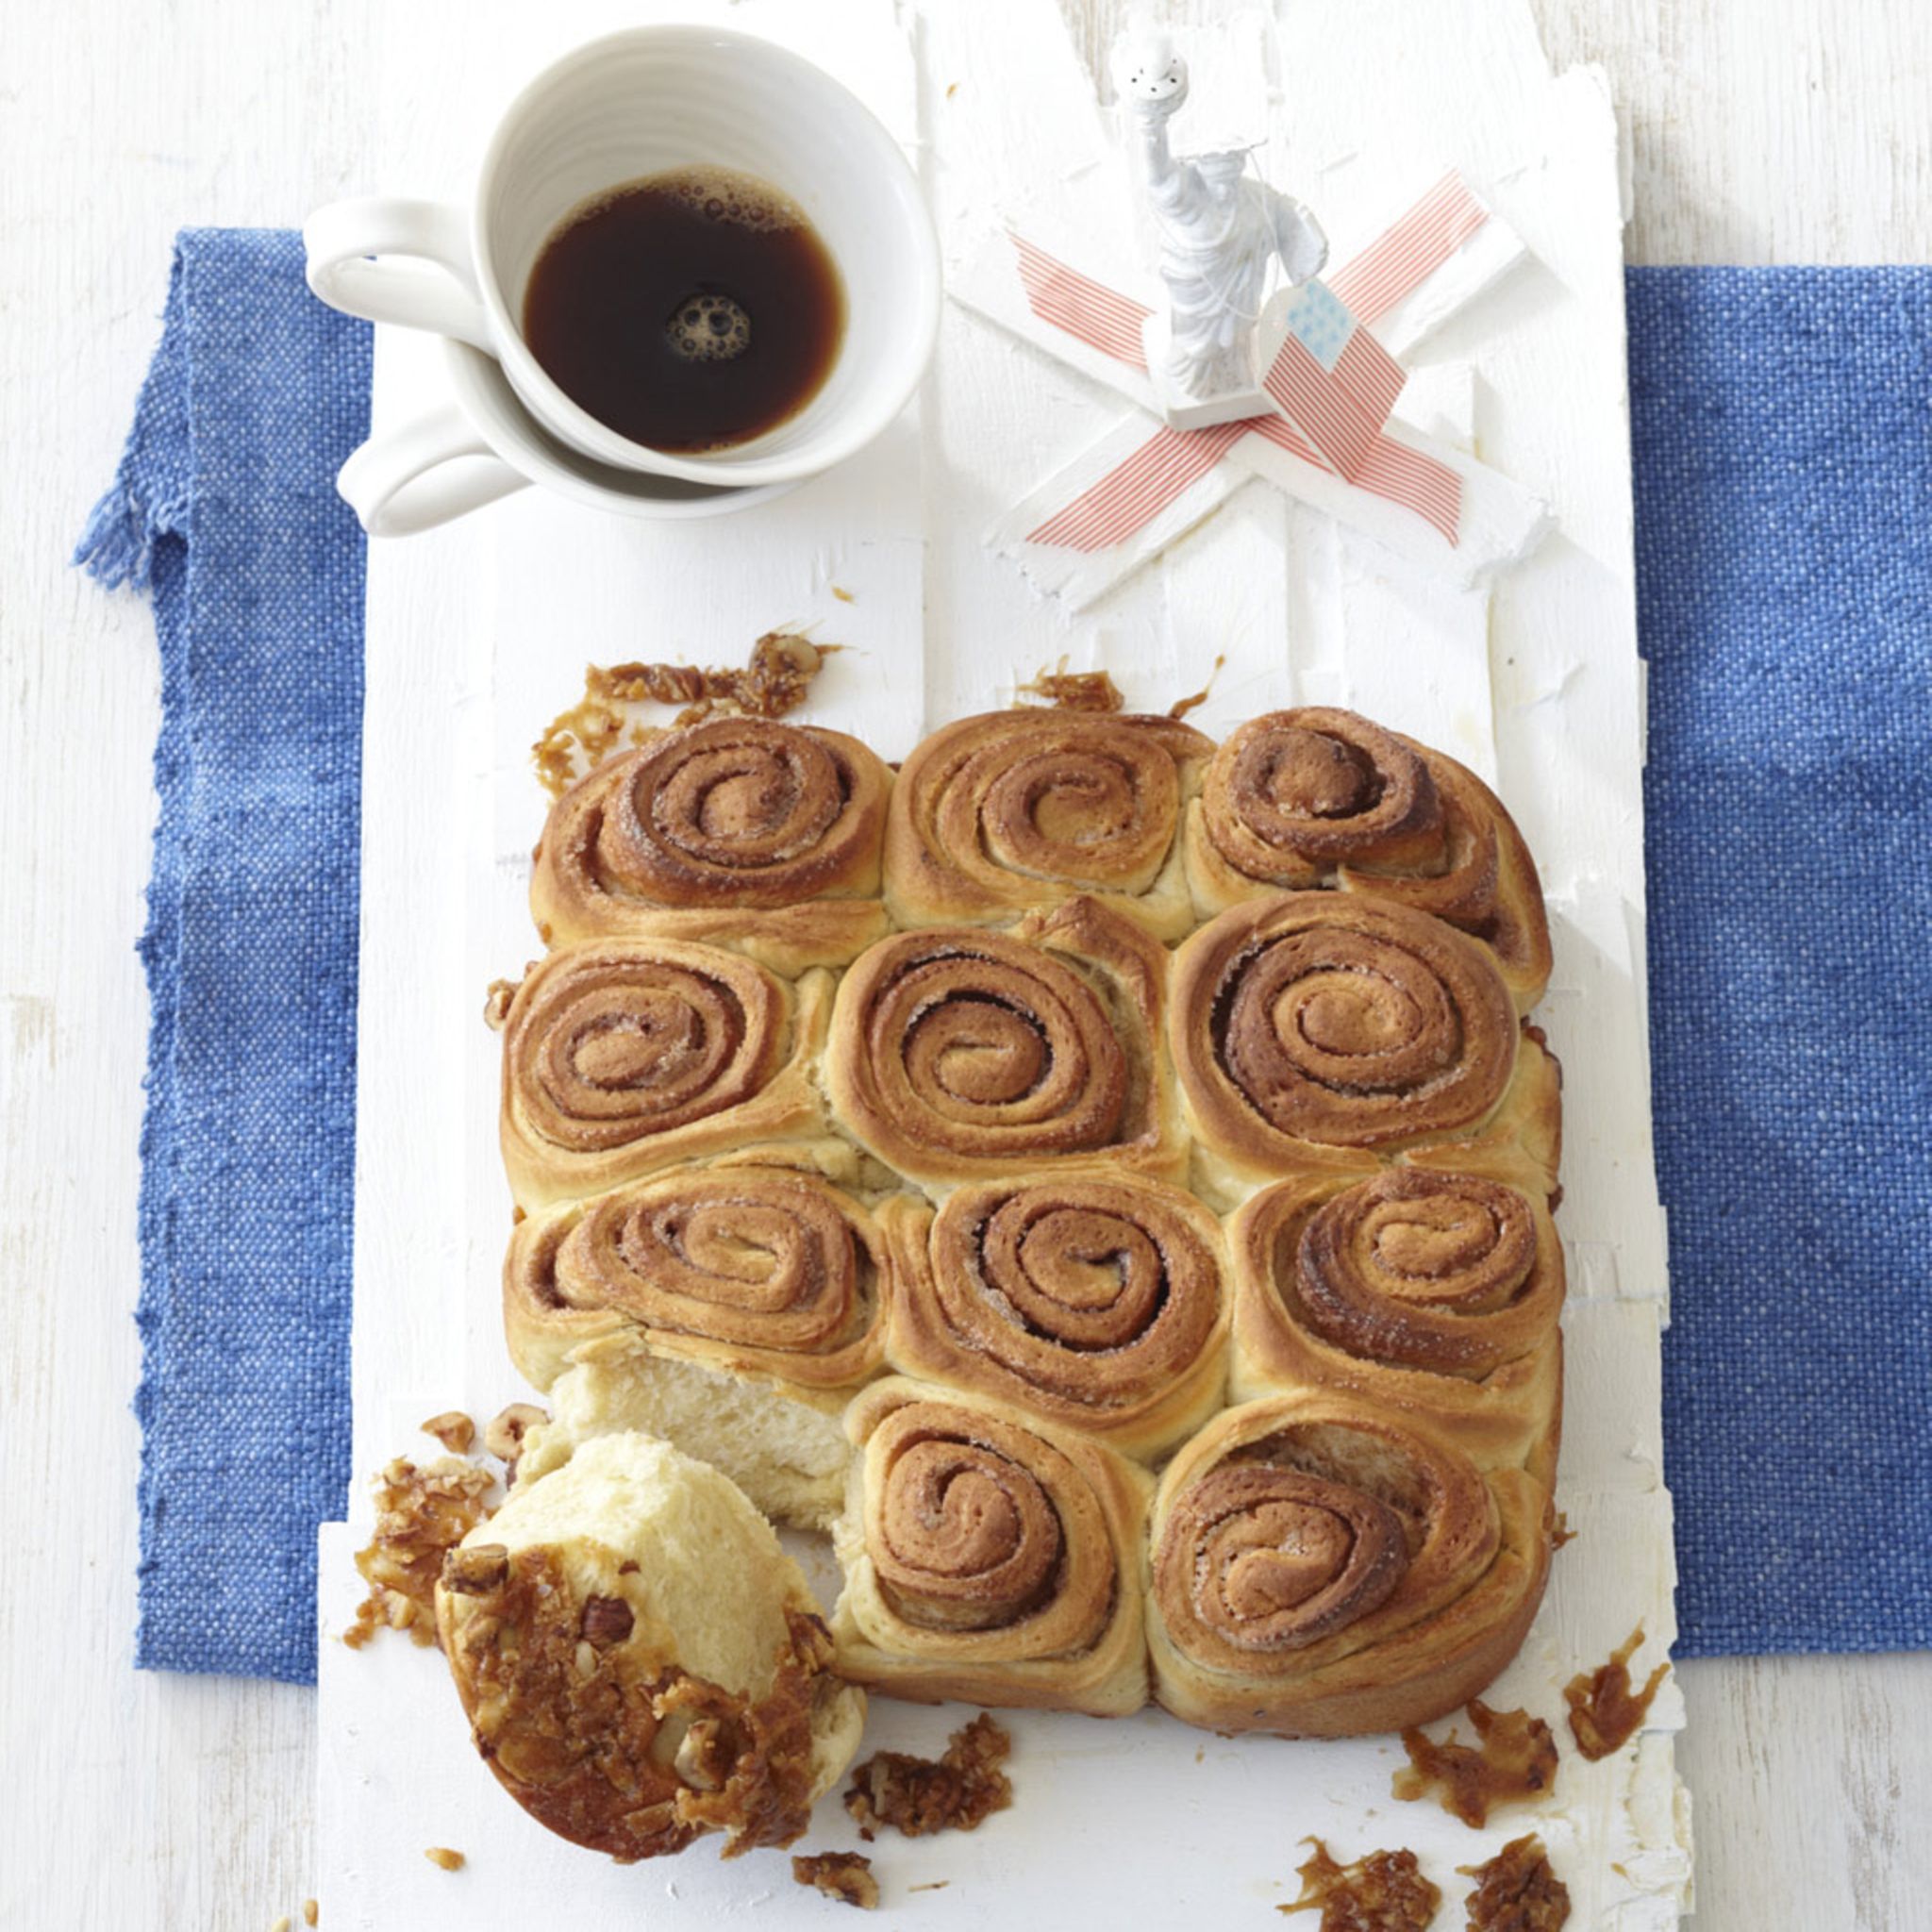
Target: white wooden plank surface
x=1779 y=130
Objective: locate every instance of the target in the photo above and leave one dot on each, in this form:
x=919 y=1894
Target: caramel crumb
x=311 y=1912
x=421 y=1514
x=952 y=88
x=917 y=1796
x=774 y=680
x=496 y=998
x=1074 y=691
x=449 y=1860
x=504 y=1434
x=844 y=1875
x=1516 y=1761
x=1603 y=1710
x=1562 y=1532
x=1516 y=1892
x=1181 y=706
x=843 y=595
x=1382 y=1892
x=452 y=1428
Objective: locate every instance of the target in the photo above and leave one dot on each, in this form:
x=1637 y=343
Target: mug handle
x=424 y=473
x=433 y=288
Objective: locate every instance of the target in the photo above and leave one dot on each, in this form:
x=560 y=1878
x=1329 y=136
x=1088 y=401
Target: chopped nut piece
x=1603 y=1710
x=704 y=1755
x=280 y=1925
x=1074 y=691
x=917 y=1795
x=453 y=1429
x=449 y=1860
x=608 y=1620
x=311 y=1912
x=477 y=1570
x=503 y=1436
x=1562 y=1532
x=1383 y=1891
x=1516 y=1761
x=844 y=1875
x=421 y=1515
x=1516 y=1891
x=496 y=998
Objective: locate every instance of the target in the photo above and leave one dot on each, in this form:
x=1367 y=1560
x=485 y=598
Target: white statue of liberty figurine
x=1221 y=231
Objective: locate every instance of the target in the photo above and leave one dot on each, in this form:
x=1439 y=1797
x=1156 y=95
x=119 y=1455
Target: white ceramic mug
x=639 y=102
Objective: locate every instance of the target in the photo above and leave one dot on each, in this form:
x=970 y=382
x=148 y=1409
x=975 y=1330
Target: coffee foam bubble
x=722 y=194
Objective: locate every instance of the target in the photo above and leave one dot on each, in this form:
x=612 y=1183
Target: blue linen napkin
x=225 y=508
x=1781 y=425
x=1784 y=522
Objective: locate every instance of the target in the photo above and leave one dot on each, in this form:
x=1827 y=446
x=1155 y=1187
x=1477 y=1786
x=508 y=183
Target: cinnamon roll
x=1011 y=810
x=738 y=831
x=1322 y=1567
x=958 y=1053
x=986 y=1559
x=619 y=1059
x=1325 y=1030
x=1094 y=1302
x=729 y=1310
x=1433 y=1294
x=1321 y=797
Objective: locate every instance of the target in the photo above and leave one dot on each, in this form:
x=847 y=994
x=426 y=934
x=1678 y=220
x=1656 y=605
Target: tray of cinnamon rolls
x=1100 y=1177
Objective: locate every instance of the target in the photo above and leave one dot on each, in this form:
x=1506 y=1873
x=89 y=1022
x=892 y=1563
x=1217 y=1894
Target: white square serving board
x=479 y=633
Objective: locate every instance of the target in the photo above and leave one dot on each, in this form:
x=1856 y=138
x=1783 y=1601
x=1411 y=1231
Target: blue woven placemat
x=1782 y=430
x=225 y=507
x=1784 y=518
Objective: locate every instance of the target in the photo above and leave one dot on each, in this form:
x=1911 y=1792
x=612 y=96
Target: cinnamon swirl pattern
x=1437 y=1294
x=1321 y=797
x=958 y=1053
x=762 y=1270
x=1012 y=810
x=620 y=1059
x=986 y=1559
x=740 y=831
x=1322 y=1567
x=1095 y=1304
x=1324 y=1030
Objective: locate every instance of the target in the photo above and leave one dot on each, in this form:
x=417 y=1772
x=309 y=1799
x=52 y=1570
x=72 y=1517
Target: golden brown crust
x=1094 y=1302
x=1432 y=1293
x=1322 y=1568
x=1010 y=811
x=1317 y=1031
x=736 y=831
x=960 y=1053
x=1324 y=797
x=760 y=1270
x=606 y=1742
x=986 y=1559
x=622 y=1058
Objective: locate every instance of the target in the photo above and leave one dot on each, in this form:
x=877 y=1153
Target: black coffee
x=688 y=311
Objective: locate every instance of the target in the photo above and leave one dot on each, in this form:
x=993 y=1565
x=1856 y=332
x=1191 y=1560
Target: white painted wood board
x=1781 y=131
x=1358 y=112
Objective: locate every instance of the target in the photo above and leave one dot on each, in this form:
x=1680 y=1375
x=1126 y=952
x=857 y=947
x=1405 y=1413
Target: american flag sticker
x=1328 y=376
